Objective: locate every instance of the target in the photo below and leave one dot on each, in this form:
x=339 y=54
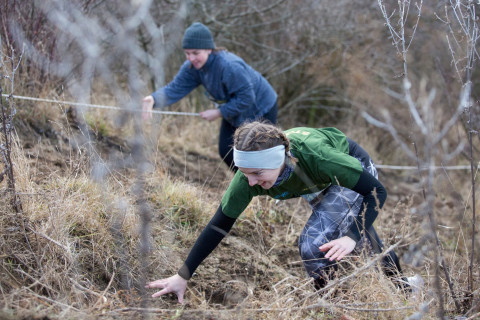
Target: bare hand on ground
x=174 y=284
x=338 y=248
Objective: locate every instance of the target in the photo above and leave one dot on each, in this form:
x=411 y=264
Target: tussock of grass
x=178 y=207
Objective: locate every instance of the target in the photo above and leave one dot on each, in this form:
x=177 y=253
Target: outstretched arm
x=214 y=232
x=184 y=82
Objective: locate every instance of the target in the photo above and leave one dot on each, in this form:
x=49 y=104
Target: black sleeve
x=218 y=227
x=366 y=186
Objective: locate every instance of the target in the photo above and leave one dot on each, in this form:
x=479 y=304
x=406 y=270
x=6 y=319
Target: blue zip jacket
x=242 y=92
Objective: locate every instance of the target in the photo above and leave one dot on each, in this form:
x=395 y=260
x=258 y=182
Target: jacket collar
x=209 y=63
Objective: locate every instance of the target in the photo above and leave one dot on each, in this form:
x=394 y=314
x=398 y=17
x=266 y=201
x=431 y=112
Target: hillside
x=96 y=201
x=256 y=272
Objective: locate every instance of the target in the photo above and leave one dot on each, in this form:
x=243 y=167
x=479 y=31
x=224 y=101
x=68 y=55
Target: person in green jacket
x=331 y=171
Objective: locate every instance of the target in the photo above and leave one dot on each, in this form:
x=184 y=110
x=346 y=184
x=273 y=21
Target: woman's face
x=265 y=178
x=197 y=57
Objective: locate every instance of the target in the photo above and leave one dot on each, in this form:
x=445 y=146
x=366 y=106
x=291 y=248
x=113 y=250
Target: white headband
x=271 y=158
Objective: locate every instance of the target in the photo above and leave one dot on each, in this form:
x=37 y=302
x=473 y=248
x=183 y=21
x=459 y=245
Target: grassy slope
x=82 y=256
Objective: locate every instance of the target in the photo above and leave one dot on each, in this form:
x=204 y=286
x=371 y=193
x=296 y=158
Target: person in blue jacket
x=239 y=92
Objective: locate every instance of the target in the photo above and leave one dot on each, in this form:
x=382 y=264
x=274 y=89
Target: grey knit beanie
x=197 y=36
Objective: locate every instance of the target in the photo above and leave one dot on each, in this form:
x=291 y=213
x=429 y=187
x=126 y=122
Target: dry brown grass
x=74 y=251
x=81 y=259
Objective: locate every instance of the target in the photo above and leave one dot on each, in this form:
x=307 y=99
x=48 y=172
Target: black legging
x=225 y=140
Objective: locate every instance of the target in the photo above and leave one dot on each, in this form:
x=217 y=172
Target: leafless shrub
x=426 y=129
x=461 y=18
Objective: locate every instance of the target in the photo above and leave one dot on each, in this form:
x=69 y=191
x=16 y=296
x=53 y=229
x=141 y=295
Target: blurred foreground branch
x=8 y=68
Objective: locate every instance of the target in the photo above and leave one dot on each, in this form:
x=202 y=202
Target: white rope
x=379 y=166
x=99 y=106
